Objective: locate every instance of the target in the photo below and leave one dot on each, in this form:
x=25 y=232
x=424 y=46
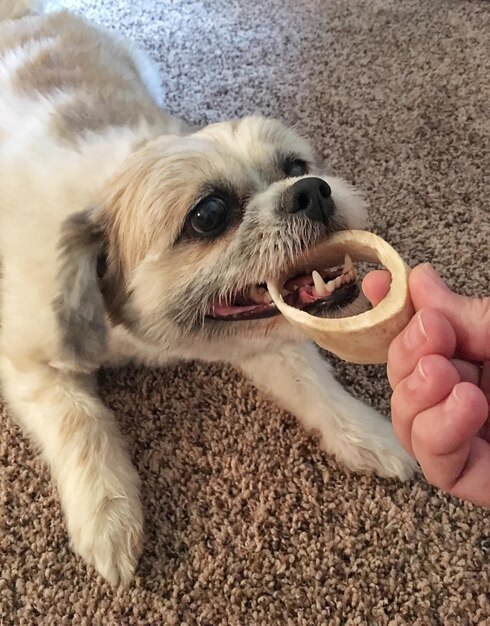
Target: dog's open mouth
x=317 y=293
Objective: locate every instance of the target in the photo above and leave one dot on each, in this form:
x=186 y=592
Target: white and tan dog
x=125 y=236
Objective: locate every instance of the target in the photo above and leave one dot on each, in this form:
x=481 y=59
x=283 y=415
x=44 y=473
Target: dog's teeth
x=256 y=294
x=338 y=281
x=348 y=264
x=351 y=275
x=331 y=286
x=260 y=295
x=285 y=293
x=321 y=288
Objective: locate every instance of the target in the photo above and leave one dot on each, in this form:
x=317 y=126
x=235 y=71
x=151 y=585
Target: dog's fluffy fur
x=96 y=183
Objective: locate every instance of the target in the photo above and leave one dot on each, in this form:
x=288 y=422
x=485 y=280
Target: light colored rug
x=247 y=522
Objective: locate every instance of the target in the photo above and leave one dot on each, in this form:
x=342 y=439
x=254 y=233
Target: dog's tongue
x=301 y=296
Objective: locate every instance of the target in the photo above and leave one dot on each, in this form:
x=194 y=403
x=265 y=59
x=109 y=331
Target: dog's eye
x=294 y=168
x=209 y=218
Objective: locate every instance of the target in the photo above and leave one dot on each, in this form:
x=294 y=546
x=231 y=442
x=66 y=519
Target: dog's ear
x=80 y=306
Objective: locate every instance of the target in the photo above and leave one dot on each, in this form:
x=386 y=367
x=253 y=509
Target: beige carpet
x=247 y=522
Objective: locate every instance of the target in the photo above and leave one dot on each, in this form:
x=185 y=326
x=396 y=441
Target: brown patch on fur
x=106 y=108
x=92 y=67
x=73 y=45
x=18 y=34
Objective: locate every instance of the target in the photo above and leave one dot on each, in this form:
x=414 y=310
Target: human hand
x=439 y=370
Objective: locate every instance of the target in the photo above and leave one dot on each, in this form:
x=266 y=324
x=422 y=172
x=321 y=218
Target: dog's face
x=194 y=227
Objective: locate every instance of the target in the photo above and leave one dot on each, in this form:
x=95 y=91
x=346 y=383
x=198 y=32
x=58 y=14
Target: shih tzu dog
x=125 y=235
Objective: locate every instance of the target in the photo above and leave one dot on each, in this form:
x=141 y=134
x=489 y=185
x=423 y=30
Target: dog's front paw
x=391 y=461
x=106 y=528
x=111 y=540
x=375 y=450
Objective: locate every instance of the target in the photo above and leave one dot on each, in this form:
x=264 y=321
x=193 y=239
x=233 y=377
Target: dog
x=126 y=235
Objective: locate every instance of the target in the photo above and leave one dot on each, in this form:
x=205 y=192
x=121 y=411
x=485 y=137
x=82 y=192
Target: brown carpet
x=247 y=522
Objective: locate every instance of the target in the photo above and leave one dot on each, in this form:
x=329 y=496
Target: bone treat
x=363 y=338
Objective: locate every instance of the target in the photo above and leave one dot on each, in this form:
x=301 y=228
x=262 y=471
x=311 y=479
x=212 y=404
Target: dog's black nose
x=311 y=196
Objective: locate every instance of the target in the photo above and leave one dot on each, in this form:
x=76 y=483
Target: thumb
x=470 y=317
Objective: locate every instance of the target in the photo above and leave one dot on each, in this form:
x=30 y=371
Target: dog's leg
x=79 y=439
x=302 y=382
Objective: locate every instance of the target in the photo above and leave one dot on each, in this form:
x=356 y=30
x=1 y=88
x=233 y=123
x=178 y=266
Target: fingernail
x=430 y=271
x=417 y=378
x=415 y=335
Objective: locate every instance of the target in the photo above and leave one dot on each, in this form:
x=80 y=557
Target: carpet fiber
x=247 y=522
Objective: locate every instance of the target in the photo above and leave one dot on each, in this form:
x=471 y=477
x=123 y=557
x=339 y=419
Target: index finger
x=376 y=285
x=428 y=332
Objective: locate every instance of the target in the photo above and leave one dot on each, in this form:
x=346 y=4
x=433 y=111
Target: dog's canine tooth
x=320 y=286
x=348 y=264
x=348 y=277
